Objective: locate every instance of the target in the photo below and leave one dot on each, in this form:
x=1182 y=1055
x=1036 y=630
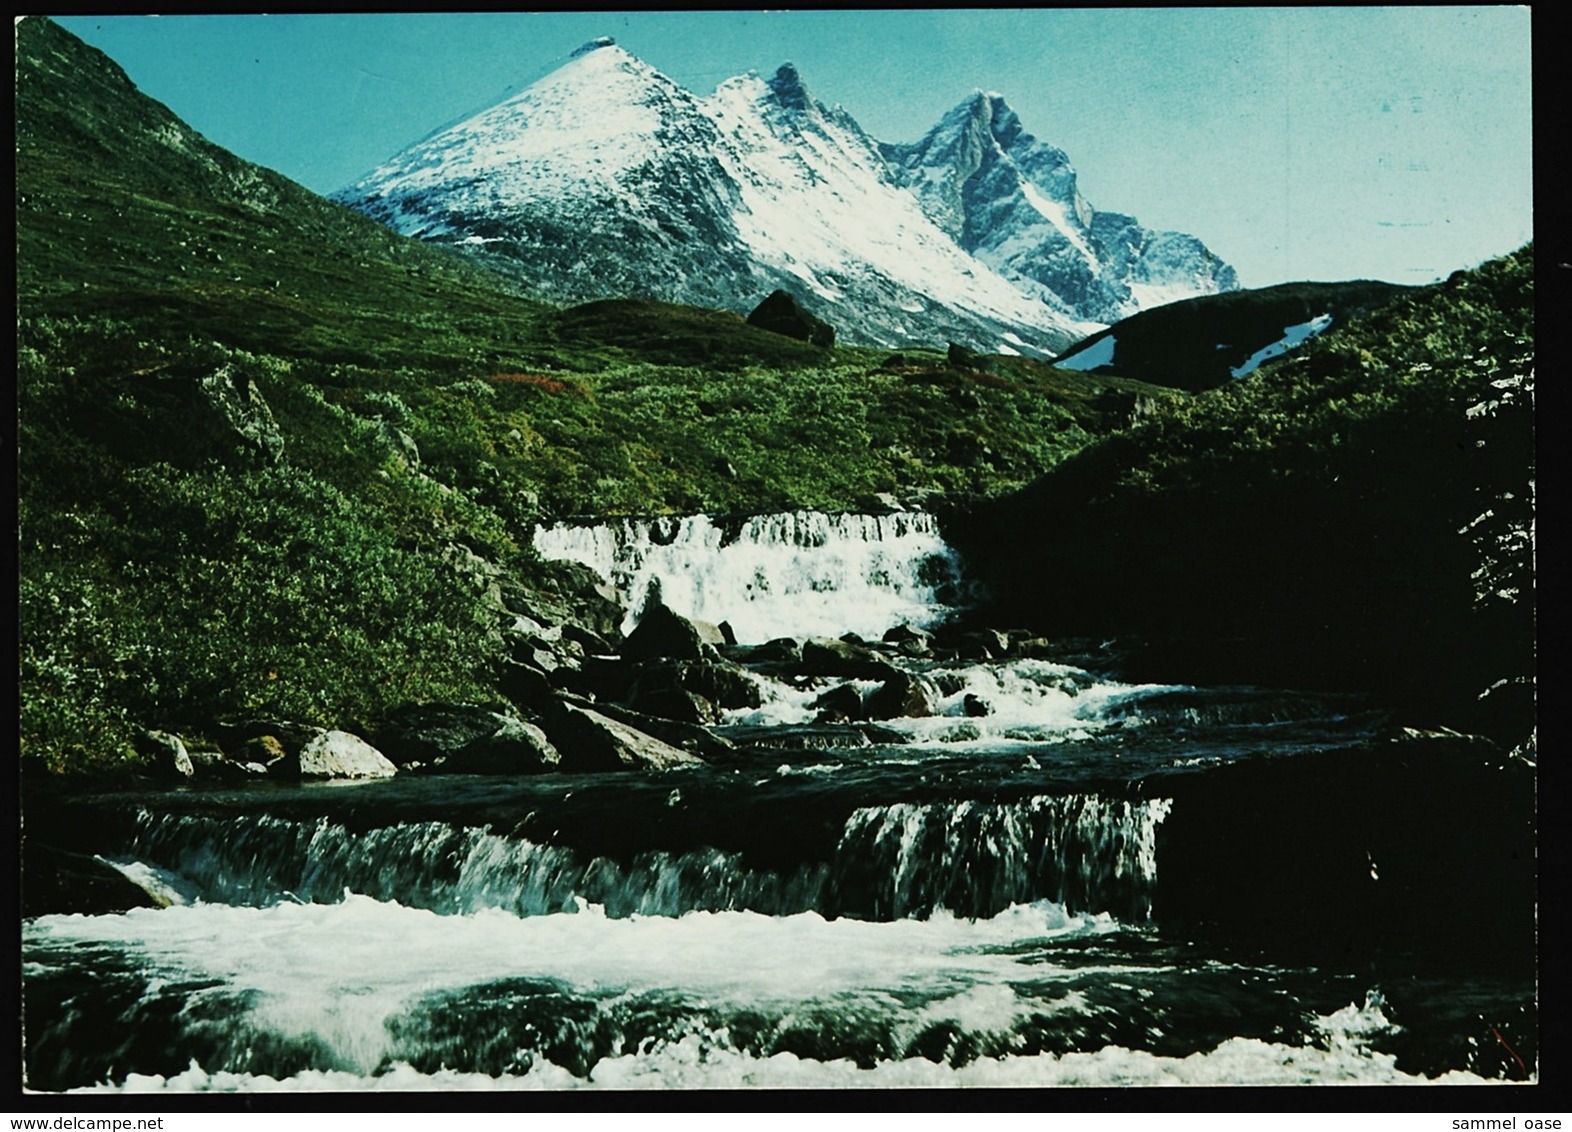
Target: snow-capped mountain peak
x=594 y=45
x=607 y=178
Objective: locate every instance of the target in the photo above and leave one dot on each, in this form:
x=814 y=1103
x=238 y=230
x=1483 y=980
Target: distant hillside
x=124 y=211
x=1208 y=341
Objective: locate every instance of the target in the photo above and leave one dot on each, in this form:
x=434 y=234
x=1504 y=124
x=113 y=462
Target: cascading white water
x=1087 y=852
x=791 y=574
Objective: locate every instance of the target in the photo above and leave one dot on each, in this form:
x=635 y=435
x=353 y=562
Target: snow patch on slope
x=1100 y=353
x=1295 y=335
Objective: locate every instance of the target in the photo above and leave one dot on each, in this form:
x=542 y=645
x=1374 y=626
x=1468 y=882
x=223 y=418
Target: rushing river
x=1030 y=887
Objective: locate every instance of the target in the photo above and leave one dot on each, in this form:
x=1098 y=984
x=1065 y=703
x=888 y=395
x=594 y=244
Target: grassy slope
x=1351 y=516
x=161 y=585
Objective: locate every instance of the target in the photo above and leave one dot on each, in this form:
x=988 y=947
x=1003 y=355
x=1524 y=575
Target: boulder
x=909 y=641
x=166 y=755
x=219 y=767
x=399 y=444
x=983 y=644
x=590 y=741
x=964 y=357
x=524 y=684
x=780 y=313
x=662 y=633
x=948 y=682
x=220 y=414
x=591 y=643
x=57 y=882
x=516 y=747
x=263 y=752
x=427 y=733
x=662 y=690
x=235 y=732
x=567 y=594
x=691 y=737
x=599 y=677
x=823 y=656
x=338 y=754
x=728 y=685
x=465 y=739
x=901 y=695
x=841 y=703
x=781 y=650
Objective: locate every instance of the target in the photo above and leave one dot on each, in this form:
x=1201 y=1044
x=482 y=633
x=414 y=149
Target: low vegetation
x=1359 y=514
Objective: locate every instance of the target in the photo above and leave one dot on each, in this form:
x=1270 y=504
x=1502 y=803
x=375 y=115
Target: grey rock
x=516 y=747
x=167 y=755
x=902 y=695
x=823 y=656
x=591 y=741
x=338 y=754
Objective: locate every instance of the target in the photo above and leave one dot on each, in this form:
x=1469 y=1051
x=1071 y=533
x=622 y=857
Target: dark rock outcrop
x=822 y=656
x=902 y=695
x=780 y=313
x=1424 y=843
x=57 y=882
x=464 y=739
x=662 y=633
x=964 y=357
x=591 y=741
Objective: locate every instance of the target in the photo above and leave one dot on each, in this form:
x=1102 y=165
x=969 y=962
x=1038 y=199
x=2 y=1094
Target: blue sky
x=1298 y=143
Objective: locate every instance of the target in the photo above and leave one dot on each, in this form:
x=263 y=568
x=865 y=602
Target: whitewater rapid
x=802 y=573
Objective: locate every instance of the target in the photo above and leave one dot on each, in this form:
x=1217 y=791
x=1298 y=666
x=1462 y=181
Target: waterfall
x=900 y=861
x=1084 y=851
x=801 y=573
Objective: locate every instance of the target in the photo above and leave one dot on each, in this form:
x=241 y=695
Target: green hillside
x=264 y=442
x=1358 y=515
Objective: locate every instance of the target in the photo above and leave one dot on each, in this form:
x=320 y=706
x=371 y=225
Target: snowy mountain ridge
x=607 y=178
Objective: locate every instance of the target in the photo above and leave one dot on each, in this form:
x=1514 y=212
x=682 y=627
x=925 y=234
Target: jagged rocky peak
x=594 y=45
x=1003 y=121
x=1013 y=202
x=788 y=89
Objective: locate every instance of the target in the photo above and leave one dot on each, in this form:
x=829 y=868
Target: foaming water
x=803 y=573
x=1018 y=700
x=368 y=994
x=698 y=1062
x=357 y=985
x=1092 y=852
